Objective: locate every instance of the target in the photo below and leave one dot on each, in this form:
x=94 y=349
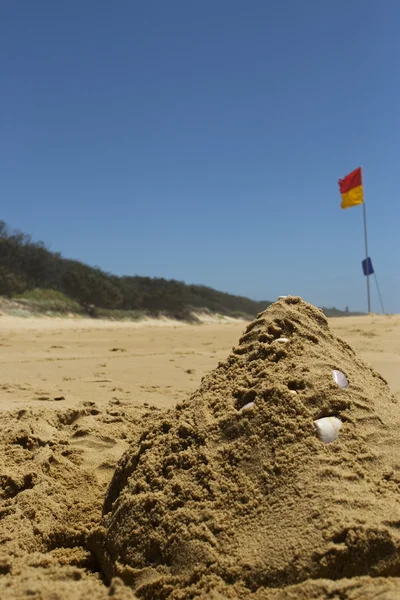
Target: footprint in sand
x=45 y=398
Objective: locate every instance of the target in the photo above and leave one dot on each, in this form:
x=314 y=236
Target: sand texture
x=213 y=497
x=128 y=469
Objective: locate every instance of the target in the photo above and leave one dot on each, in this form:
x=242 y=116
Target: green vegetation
x=48 y=301
x=42 y=281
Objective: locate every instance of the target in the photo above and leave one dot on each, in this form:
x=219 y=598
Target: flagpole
x=352 y=191
x=366 y=257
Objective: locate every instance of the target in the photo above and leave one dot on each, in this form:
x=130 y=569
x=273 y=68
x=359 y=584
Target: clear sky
x=203 y=141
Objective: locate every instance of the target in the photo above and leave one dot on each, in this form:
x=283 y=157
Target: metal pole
x=366 y=256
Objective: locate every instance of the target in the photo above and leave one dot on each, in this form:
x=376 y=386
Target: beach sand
x=75 y=393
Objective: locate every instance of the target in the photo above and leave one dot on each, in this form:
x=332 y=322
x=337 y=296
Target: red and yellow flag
x=351 y=189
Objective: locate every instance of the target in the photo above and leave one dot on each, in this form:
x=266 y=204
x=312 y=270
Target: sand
x=77 y=394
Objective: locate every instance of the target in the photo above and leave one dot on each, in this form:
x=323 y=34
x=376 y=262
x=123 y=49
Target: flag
x=351 y=189
x=368 y=269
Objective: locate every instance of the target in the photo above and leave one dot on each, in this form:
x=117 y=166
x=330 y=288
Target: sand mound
x=218 y=502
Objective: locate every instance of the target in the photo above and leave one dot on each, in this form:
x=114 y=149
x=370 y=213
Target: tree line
x=27 y=265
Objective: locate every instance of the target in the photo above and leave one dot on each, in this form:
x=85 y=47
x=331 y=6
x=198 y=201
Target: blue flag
x=367 y=266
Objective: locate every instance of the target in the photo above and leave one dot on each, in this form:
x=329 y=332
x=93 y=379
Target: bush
x=10 y=283
x=48 y=301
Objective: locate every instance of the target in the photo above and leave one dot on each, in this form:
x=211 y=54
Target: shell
x=328 y=429
x=281 y=297
x=247 y=407
x=340 y=378
x=281 y=340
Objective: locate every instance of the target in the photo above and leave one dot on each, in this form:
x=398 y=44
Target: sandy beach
x=74 y=394
x=152 y=362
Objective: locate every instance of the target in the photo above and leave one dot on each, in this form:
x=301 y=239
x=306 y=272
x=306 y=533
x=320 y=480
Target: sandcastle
x=232 y=494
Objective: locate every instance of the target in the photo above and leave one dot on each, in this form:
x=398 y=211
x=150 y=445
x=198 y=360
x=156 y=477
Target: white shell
x=328 y=429
x=281 y=297
x=293 y=392
x=282 y=340
x=340 y=378
x=247 y=407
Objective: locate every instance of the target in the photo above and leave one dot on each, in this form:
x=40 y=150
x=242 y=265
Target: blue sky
x=203 y=141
